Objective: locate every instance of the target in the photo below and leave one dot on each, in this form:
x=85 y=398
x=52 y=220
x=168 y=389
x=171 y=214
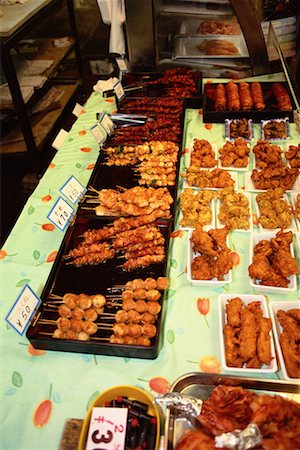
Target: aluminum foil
x=189 y=406
x=240 y=439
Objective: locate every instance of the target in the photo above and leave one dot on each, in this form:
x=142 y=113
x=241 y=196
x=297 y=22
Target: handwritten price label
x=73 y=189
x=61 y=214
x=107 y=429
x=23 y=309
x=119 y=91
x=97 y=133
x=106 y=123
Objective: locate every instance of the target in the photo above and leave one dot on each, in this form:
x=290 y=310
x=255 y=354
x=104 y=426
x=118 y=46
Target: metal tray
x=200 y=385
x=92 y=279
x=186 y=47
x=271 y=110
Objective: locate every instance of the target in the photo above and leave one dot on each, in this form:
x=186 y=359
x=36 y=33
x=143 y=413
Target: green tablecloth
x=42 y=389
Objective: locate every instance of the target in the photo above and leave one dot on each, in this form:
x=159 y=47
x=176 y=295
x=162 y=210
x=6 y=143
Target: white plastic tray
x=277 y=330
x=205 y=227
x=214 y=282
x=227 y=130
x=255 y=238
x=292 y=226
x=249 y=185
x=233 y=175
x=246 y=299
x=191 y=148
x=220 y=224
x=275 y=140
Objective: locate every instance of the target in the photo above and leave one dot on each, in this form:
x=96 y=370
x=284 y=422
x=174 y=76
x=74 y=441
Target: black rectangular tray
x=92 y=279
x=210 y=115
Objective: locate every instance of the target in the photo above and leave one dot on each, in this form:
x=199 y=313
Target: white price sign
x=107 y=429
x=122 y=64
x=107 y=123
x=61 y=213
x=73 y=189
x=97 y=133
x=23 y=309
x=119 y=91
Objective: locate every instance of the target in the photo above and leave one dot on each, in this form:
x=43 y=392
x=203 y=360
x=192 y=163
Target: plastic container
x=233 y=168
x=227 y=129
x=275 y=139
x=220 y=224
x=292 y=226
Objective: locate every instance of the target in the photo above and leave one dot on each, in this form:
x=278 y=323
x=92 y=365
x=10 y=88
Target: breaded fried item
x=203 y=243
x=253 y=363
x=222 y=264
x=291 y=355
x=201 y=268
x=231 y=347
x=234 y=311
x=295 y=314
x=195 y=440
x=248 y=335
x=289 y=324
x=284 y=264
x=264 y=340
x=275 y=211
x=260 y=268
x=255 y=308
x=219 y=235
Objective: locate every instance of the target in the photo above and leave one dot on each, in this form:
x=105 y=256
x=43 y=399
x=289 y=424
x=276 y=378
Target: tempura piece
x=234 y=210
x=275 y=211
x=195 y=207
x=231 y=347
x=234 y=311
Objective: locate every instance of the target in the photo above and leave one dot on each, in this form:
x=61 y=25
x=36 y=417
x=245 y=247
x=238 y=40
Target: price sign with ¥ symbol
x=107 y=123
x=73 y=190
x=23 y=309
x=107 y=429
x=98 y=133
x=119 y=91
x=61 y=214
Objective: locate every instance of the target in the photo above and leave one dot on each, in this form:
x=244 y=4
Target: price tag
x=73 y=190
x=23 y=309
x=122 y=64
x=107 y=429
x=119 y=91
x=97 y=133
x=61 y=214
x=107 y=123
x=60 y=139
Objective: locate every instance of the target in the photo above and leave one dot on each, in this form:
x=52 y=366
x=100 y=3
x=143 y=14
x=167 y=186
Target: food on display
x=272 y=262
x=274 y=129
x=247 y=335
x=218 y=27
x=275 y=211
x=257 y=95
x=217 y=47
x=202 y=154
x=180 y=82
x=270 y=178
x=137 y=201
x=267 y=155
x=282 y=96
x=240 y=128
x=234 y=211
x=230 y=409
x=245 y=96
x=235 y=153
x=220 y=98
x=297 y=207
x=201 y=178
x=289 y=340
x=195 y=208
x=293 y=156
x=215 y=259
x=233 y=97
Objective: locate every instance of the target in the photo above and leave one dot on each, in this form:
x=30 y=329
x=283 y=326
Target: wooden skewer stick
x=91 y=188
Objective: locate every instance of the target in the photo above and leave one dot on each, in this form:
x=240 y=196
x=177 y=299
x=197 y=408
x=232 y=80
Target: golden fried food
x=264 y=341
x=295 y=313
x=201 y=178
x=272 y=268
x=217 y=47
x=297 y=207
x=270 y=177
x=289 y=324
x=293 y=156
x=275 y=129
x=203 y=243
x=239 y=128
x=275 y=211
x=267 y=155
x=234 y=311
x=201 y=268
x=235 y=153
x=247 y=335
x=195 y=207
x=203 y=154
x=234 y=210
x=231 y=347
x=291 y=354
x=195 y=440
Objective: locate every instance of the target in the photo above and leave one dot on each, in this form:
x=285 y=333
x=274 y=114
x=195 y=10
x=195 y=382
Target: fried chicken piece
x=260 y=269
x=289 y=324
x=284 y=264
x=234 y=153
x=253 y=363
x=294 y=313
x=227 y=409
x=203 y=243
x=264 y=341
x=221 y=265
x=269 y=178
x=275 y=279
x=282 y=240
x=201 y=268
x=263 y=247
x=231 y=347
x=219 y=235
x=293 y=156
x=233 y=311
x=247 y=335
x=255 y=308
x=203 y=154
x=291 y=354
x=275 y=211
x=195 y=440
x=267 y=155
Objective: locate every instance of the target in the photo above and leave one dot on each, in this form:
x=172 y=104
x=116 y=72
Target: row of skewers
x=129 y=315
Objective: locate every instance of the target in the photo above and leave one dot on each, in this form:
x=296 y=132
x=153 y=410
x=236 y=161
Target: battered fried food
x=234 y=311
x=275 y=129
x=201 y=178
x=234 y=210
x=239 y=128
x=195 y=207
x=203 y=243
x=275 y=211
x=235 y=153
x=272 y=264
x=293 y=156
x=269 y=178
x=264 y=341
x=291 y=354
x=195 y=440
x=297 y=207
x=231 y=347
x=290 y=325
x=203 y=154
x=217 y=47
x=247 y=335
x=267 y=155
